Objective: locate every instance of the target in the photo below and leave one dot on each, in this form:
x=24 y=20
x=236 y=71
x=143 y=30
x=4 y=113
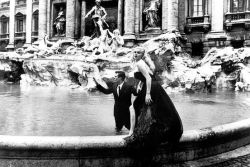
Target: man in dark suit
x=122 y=92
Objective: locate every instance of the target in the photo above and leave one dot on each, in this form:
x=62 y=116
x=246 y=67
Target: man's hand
x=130 y=132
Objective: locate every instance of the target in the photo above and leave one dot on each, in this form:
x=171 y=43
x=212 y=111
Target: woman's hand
x=130 y=132
x=148 y=99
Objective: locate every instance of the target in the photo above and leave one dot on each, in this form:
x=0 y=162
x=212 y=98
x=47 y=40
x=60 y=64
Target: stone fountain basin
x=110 y=150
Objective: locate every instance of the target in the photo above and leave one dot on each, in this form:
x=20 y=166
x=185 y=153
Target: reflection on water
x=65 y=112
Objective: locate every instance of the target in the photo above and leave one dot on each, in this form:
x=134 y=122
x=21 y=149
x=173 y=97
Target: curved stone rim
x=87 y=142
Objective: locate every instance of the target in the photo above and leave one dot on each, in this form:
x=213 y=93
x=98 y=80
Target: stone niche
x=3 y=45
x=57 y=5
x=151 y=19
x=111 y=7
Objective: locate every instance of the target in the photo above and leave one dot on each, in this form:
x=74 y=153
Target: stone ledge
x=110 y=150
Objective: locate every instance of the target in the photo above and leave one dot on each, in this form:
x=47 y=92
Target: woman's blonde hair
x=146 y=58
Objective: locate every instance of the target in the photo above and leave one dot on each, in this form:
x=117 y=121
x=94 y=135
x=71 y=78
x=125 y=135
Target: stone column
x=49 y=20
x=248 y=8
x=70 y=19
x=217 y=16
x=141 y=4
x=78 y=15
x=206 y=16
x=182 y=15
x=164 y=15
x=188 y=8
x=120 y=15
x=28 y=23
x=228 y=6
x=42 y=19
x=173 y=14
x=83 y=18
x=129 y=24
x=206 y=7
x=11 y=46
x=138 y=14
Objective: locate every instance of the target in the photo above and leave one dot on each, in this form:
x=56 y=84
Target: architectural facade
x=205 y=23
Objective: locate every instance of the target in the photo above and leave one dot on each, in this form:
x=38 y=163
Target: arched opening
x=4 y=27
x=4 y=32
x=20 y=24
x=3 y=45
x=20 y=30
x=237 y=43
x=197 y=49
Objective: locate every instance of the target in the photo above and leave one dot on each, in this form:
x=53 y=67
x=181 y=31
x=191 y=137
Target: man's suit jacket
x=123 y=101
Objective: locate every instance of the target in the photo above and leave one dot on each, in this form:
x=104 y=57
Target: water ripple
x=61 y=111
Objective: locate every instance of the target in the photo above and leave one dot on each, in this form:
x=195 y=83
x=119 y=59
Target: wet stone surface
x=241 y=161
x=236 y=158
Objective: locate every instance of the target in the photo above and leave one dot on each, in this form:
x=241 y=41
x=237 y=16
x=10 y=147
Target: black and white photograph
x=124 y=83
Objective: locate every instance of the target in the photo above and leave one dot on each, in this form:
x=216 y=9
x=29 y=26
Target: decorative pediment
x=19 y=14
x=3 y=17
x=36 y=12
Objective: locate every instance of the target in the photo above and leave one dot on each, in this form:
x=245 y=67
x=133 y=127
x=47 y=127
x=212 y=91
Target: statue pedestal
x=129 y=40
x=149 y=33
x=155 y=30
x=56 y=38
x=10 y=48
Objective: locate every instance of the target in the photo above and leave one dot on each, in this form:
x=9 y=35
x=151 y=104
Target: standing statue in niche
x=60 y=23
x=99 y=16
x=152 y=13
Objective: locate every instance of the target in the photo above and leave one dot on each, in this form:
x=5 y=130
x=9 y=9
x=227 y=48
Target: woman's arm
x=132 y=116
x=132 y=120
x=150 y=63
x=145 y=73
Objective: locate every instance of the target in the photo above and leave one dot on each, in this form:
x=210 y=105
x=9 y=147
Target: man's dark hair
x=121 y=74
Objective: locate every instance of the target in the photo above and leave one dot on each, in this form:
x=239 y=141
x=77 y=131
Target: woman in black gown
x=156 y=119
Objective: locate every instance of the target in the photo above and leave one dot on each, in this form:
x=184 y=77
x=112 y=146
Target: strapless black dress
x=155 y=123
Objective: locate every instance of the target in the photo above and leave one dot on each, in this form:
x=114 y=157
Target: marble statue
x=152 y=14
x=98 y=16
x=60 y=23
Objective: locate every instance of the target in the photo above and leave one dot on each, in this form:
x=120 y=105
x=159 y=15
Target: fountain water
x=182 y=71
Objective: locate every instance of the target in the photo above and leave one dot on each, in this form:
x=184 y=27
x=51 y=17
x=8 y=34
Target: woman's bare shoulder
x=141 y=63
